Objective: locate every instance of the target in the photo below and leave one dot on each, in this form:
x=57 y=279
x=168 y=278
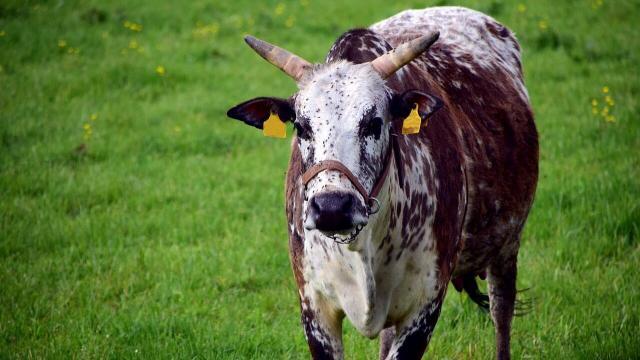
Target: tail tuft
x=523 y=306
x=471 y=288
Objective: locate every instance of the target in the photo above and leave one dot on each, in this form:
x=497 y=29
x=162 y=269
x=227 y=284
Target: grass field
x=137 y=221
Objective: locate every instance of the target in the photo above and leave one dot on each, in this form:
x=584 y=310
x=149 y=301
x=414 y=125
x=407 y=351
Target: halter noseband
x=370 y=199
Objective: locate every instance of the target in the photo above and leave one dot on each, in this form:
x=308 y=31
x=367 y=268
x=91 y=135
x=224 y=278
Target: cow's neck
x=361 y=276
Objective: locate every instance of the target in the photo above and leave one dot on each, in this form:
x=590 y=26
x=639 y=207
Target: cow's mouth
x=344 y=237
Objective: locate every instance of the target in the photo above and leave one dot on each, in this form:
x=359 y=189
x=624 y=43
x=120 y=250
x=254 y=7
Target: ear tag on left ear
x=274 y=127
x=411 y=124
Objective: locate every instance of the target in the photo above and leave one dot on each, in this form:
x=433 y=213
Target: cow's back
x=475 y=67
x=468 y=39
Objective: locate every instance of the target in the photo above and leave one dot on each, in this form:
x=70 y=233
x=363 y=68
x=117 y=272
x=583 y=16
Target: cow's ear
x=402 y=104
x=256 y=111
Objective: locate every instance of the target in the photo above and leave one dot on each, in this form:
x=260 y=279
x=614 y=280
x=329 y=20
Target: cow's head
x=342 y=112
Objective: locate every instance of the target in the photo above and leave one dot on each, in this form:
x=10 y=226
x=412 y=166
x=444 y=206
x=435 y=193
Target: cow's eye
x=373 y=128
x=301 y=130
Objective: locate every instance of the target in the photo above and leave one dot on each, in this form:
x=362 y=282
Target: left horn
x=390 y=62
x=291 y=64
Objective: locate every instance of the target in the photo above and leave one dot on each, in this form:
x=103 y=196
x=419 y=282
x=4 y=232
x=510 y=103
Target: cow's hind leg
x=502 y=296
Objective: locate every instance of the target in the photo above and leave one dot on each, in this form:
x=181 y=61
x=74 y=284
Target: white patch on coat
x=358 y=280
x=334 y=99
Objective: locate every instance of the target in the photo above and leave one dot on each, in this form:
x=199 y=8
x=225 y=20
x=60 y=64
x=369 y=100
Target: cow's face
x=342 y=112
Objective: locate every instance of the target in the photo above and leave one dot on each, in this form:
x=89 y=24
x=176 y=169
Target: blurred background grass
x=138 y=222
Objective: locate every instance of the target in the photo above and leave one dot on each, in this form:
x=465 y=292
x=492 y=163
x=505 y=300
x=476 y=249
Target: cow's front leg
x=411 y=339
x=322 y=328
x=386 y=341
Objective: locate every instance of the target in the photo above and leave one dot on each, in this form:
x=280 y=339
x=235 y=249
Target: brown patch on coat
x=293 y=208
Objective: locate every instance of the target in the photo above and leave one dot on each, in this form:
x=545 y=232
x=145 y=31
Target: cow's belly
x=370 y=291
x=491 y=231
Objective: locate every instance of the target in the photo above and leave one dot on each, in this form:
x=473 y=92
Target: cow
x=409 y=169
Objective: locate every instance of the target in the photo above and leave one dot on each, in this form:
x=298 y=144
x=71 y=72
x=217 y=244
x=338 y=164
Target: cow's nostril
x=313 y=206
x=347 y=203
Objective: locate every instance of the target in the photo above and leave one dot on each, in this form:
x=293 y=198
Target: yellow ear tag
x=411 y=124
x=274 y=127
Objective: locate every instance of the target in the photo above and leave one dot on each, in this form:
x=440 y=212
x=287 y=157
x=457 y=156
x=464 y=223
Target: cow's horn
x=390 y=62
x=291 y=64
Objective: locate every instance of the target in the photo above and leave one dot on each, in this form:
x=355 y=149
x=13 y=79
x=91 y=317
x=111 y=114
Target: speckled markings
x=395 y=276
x=457 y=195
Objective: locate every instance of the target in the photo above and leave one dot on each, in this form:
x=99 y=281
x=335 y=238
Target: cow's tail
x=470 y=286
x=523 y=306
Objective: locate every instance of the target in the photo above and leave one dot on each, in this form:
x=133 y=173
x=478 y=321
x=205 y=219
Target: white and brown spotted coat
x=468 y=180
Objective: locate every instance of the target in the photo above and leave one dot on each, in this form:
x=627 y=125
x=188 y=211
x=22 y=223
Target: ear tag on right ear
x=411 y=124
x=274 y=127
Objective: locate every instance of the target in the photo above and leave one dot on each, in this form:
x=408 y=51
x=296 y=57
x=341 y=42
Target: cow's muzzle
x=341 y=213
x=335 y=212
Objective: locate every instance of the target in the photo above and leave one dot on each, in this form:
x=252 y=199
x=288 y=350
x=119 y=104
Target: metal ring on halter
x=372 y=210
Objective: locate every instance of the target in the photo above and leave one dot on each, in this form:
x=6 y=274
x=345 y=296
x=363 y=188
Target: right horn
x=291 y=64
x=390 y=62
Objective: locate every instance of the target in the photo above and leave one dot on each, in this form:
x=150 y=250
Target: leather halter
x=369 y=198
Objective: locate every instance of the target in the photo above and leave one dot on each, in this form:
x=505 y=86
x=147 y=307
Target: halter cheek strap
x=373 y=205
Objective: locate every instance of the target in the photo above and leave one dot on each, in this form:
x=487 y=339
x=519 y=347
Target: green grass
x=165 y=237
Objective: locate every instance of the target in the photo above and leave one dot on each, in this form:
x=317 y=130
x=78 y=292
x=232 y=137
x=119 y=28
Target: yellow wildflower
x=522 y=8
x=88 y=131
x=543 y=25
x=609 y=100
x=594 y=102
x=93 y=117
x=605 y=90
x=610 y=118
x=132 y=26
x=206 y=30
x=279 y=9
x=2 y=33
x=594 y=111
x=62 y=43
x=160 y=70
x=133 y=44
x=289 y=22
